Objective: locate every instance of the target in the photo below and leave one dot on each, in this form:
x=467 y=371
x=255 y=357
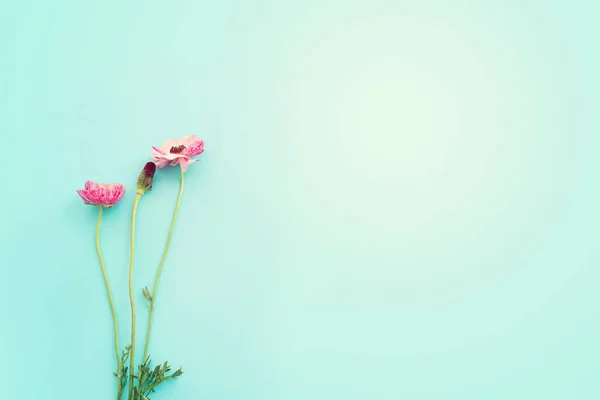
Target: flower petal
x=186 y=163
x=187 y=141
x=167 y=145
x=195 y=149
x=83 y=194
x=159 y=151
x=91 y=185
x=161 y=162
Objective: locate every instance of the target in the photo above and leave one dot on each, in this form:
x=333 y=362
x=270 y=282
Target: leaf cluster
x=122 y=375
x=149 y=378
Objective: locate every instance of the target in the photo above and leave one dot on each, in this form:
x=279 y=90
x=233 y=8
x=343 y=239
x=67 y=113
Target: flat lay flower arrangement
x=140 y=382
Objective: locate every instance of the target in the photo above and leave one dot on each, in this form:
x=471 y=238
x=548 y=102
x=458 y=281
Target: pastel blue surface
x=398 y=200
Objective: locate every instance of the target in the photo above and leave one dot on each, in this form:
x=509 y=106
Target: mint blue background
x=398 y=200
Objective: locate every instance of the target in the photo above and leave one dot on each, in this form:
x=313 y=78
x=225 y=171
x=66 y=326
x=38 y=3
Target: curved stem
x=131 y=299
x=110 y=300
x=161 y=265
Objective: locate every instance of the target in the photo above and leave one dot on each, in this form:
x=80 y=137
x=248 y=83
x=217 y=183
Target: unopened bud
x=144 y=182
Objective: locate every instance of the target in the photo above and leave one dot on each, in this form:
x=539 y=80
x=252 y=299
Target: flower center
x=177 y=149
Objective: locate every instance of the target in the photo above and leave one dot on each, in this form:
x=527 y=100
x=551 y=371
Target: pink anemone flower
x=102 y=194
x=178 y=151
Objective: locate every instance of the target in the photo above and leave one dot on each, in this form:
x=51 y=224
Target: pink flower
x=102 y=194
x=178 y=151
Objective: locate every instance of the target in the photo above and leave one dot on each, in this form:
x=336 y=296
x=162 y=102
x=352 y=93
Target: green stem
x=110 y=300
x=160 y=267
x=131 y=299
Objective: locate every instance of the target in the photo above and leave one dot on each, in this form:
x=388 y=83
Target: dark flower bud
x=144 y=182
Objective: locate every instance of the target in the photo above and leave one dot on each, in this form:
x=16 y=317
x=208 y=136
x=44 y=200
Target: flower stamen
x=177 y=149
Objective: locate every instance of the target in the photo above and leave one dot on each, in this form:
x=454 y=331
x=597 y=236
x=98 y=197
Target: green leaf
x=149 y=378
x=147 y=295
